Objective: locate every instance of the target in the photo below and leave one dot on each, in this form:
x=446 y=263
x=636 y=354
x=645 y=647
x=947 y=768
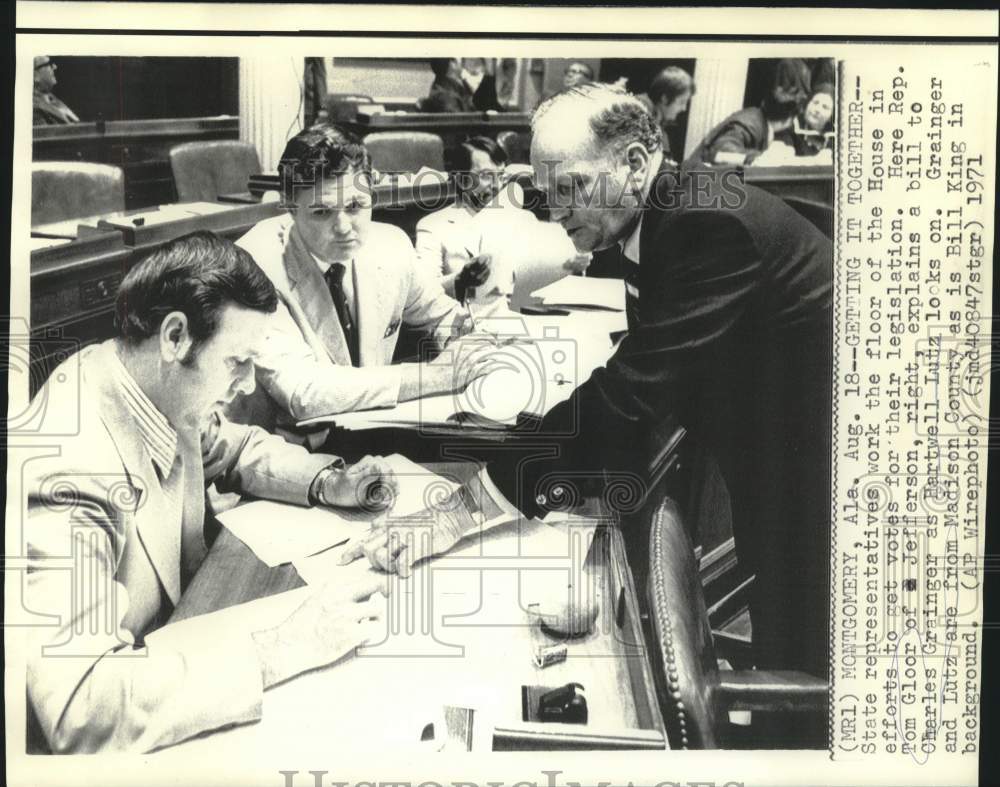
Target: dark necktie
x=335 y=281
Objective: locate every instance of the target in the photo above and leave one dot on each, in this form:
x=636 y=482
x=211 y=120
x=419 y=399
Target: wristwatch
x=316 y=493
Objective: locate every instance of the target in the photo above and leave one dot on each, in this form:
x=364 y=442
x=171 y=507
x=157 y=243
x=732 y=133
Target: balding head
x=592 y=147
x=606 y=116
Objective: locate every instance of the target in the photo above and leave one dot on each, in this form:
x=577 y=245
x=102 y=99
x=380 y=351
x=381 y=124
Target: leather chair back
x=682 y=650
x=62 y=190
x=405 y=151
x=204 y=170
x=517 y=145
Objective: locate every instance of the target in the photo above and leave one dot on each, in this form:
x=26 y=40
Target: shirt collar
x=158 y=436
x=630 y=246
x=324 y=266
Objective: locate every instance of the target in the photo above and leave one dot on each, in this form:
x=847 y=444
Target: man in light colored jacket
x=124 y=496
x=346 y=285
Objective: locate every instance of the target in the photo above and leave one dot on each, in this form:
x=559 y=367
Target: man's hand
x=472 y=357
x=369 y=483
x=325 y=627
x=397 y=546
x=578 y=263
x=475 y=272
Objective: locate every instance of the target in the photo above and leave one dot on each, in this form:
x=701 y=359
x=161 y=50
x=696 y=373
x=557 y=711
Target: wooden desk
x=448 y=125
x=140 y=147
x=811 y=183
x=475 y=651
x=73 y=289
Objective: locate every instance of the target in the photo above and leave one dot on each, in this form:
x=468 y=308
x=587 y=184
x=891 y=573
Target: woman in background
x=812 y=131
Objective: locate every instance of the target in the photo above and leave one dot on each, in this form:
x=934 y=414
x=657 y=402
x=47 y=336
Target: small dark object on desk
x=565 y=705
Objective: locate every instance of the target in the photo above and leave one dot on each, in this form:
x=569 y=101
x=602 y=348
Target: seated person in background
x=450 y=242
x=812 y=131
x=744 y=135
x=455 y=90
x=125 y=494
x=577 y=73
x=49 y=110
x=345 y=286
x=668 y=97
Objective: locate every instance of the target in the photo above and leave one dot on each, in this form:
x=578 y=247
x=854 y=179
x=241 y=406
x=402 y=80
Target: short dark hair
x=440 y=65
x=670 y=83
x=320 y=151
x=458 y=158
x=197 y=274
x=782 y=103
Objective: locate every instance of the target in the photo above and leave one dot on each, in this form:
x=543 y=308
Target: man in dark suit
x=733 y=338
x=451 y=91
x=744 y=135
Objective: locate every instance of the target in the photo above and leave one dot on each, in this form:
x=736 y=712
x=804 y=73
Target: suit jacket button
x=541 y=500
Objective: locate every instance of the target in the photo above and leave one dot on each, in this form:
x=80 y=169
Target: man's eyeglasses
x=45 y=65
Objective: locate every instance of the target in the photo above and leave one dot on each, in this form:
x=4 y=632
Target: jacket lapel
x=157 y=519
x=309 y=288
x=370 y=281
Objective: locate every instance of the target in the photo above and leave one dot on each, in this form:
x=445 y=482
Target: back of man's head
x=614 y=116
x=440 y=65
x=319 y=152
x=670 y=83
x=198 y=274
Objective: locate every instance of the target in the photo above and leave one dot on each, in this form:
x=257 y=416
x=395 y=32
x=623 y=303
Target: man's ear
x=175 y=338
x=637 y=158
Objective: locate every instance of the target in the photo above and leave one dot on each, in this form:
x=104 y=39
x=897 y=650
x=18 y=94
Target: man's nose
x=247 y=382
x=341 y=222
x=559 y=214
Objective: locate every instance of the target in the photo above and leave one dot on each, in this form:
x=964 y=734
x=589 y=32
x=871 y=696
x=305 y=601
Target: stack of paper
x=279 y=533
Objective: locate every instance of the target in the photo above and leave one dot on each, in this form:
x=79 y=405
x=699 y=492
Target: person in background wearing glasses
x=49 y=110
x=457 y=244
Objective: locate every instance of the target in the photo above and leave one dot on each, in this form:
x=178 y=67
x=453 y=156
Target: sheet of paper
x=545 y=358
x=279 y=533
x=581 y=291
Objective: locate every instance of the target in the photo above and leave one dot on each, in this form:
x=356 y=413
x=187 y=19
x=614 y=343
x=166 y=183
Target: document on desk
x=280 y=533
x=582 y=292
x=541 y=360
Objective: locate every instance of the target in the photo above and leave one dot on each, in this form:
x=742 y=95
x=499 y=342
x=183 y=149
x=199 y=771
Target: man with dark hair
x=733 y=338
x=48 y=110
x=744 y=135
x=125 y=497
x=456 y=244
x=454 y=89
x=667 y=98
x=346 y=285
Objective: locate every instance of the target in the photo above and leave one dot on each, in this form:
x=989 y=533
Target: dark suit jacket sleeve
x=741 y=134
x=708 y=268
x=485 y=96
